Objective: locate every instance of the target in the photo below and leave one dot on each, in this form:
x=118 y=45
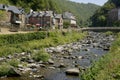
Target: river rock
x=80 y=57
x=20 y=66
x=23 y=53
x=73 y=71
x=38 y=76
x=9 y=57
x=62 y=65
x=2 y=59
x=26 y=69
x=51 y=67
x=33 y=65
x=86 y=49
x=50 y=61
x=30 y=61
x=42 y=65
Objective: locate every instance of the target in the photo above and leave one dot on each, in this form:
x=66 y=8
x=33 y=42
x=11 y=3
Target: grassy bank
x=33 y=43
x=108 y=67
x=17 y=43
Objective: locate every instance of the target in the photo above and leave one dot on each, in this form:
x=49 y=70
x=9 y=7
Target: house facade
x=69 y=17
x=44 y=19
x=113 y=15
x=59 y=21
x=15 y=16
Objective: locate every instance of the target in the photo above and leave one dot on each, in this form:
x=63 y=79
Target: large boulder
x=73 y=71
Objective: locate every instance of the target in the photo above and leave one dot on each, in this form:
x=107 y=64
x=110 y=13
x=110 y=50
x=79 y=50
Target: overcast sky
x=98 y=2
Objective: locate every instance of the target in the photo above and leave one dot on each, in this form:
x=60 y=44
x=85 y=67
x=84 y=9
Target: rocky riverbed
x=66 y=62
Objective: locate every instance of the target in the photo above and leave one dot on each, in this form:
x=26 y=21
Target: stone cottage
x=59 y=21
x=69 y=17
x=15 y=16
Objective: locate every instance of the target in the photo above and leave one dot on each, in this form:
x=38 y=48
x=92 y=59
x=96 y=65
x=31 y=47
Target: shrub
x=4 y=69
x=13 y=62
x=17 y=38
x=108 y=33
x=41 y=56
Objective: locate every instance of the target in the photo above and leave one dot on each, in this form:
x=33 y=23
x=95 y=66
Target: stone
x=2 y=59
x=9 y=57
x=42 y=65
x=66 y=57
x=34 y=70
x=85 y=49
x=80 y=57
x=24 y=59
x=106 y=48
x=50 y=61
x=70 y=53
x=51 y=67
x=20 y=66
x=30 y=61
x=62 y=65
x=73 y=57
x=23 y=53
x=38 y=76
x=73 y=71
x=33 y=65
x=58 y=49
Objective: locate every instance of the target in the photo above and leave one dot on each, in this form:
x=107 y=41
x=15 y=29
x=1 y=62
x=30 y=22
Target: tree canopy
x=100 y=16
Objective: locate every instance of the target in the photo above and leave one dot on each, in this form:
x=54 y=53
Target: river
x=80 y=55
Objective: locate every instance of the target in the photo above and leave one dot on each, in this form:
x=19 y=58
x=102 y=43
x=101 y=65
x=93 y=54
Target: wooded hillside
x=100 y=16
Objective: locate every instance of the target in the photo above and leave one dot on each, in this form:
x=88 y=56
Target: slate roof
x=40 y=14
x=35 y=14
x=14 y=9
x=68 y=15
x=58 y=15
x=48 y=13
x=1 y=6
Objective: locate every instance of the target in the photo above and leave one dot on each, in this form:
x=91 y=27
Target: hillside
x=82 y=11
x=100 y=16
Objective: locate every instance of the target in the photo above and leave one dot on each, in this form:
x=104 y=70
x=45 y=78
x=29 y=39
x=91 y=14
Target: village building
x=69 y=17
x=15 y=16
x=18 y=19
x=113 y=15
x=44 y=19
x=59 y=21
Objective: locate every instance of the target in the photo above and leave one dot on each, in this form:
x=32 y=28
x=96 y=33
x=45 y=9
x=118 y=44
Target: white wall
x=73 y=22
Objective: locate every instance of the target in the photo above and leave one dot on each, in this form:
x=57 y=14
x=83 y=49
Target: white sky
x=98 y=2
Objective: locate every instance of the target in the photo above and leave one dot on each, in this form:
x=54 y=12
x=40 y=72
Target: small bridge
x=101 y=29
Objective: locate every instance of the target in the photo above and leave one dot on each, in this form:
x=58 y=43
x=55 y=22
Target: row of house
x=42 y=19
x=15 y=16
